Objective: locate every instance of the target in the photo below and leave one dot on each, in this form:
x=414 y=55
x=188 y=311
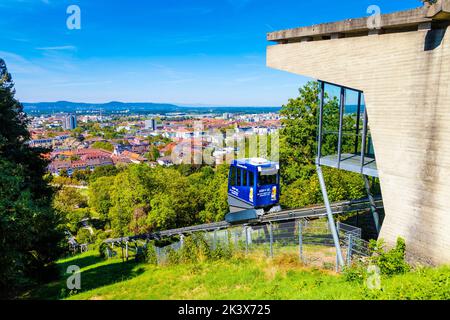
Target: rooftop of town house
x=80 y=152
x=168 y=147
x=133 y=155
x=120 y=159
x=408 y=20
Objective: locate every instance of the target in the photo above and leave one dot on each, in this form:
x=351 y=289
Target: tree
x=299 y=134
x=103 y=171
x=81 y=175
x=153 y=154
x=63 y=173
x=71 y=206
x=215 y=191
x=30 y=233
x=132 y=187
x=298 y=149
x=103 y=145
x=100 y=196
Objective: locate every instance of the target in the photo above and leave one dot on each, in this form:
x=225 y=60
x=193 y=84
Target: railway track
x=284 y=215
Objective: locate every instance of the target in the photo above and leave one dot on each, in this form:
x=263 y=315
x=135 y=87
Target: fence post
x=271 y=240
x=338 y=229
x=246 y=240
x=300 y=239
x=181 y=240
x=126 y=250
x=349 y=249
x=337 y=263
x=158 y=259
x=215 y=239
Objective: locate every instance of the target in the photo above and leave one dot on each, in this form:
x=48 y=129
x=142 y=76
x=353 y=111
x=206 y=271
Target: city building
x=152 y=124
x=69 y=122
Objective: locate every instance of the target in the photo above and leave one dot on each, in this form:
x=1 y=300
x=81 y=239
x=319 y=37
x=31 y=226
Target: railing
x=309 y=241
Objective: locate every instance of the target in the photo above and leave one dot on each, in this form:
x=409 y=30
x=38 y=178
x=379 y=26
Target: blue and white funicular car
x=253 y=189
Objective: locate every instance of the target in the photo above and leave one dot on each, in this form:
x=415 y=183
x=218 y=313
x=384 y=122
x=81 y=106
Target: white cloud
x=58 y=48
x=19 y=65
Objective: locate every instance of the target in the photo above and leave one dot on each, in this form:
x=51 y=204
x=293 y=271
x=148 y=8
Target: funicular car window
x=251 y=178
x=233 y=177
x=264 y=180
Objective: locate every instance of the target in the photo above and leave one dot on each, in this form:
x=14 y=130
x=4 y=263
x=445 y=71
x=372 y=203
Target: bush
x=84 y=236
x=102 y=250
x=222 y=252
x=173 y=256
x=147 y=254
x=150 y=254
x=390 y=262
x=357 y=272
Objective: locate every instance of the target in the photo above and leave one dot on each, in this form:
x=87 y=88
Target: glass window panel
x=251 y=178
x=233 y=176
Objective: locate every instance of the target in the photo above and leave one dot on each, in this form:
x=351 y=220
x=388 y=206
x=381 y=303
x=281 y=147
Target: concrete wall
x=406 y=81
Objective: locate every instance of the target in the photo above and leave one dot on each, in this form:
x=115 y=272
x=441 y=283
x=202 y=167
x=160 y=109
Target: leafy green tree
x=81 y=175
x=103 y=145
x=63 y=173
x=103 y=171
x=100 y=196
x=298 y=150
x=153 y=154
x=30 y=237
x=72 y=207
x=215 y=193
x=298 y=138
x=132 y=187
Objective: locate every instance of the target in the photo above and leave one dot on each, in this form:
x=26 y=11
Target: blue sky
x=208 y=52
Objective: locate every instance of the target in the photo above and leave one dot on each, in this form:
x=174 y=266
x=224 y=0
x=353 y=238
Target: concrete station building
x=402 y=69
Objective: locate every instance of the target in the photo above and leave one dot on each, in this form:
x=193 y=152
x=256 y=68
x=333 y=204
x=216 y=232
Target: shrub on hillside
x=103 y=250
x=390 y=262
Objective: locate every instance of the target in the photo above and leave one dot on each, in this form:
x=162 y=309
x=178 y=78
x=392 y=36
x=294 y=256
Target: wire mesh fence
x=309 y=241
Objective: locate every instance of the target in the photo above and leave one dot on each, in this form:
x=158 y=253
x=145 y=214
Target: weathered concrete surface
x=406 y=81
x=439 y=11
x=351 y=26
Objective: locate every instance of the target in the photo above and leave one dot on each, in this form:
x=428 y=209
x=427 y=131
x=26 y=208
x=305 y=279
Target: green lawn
x=239 y=278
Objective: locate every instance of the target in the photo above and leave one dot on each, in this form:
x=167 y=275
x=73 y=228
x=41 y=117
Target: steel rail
x=285 y=215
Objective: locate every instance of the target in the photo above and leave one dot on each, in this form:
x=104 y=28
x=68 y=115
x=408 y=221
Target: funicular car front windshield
x=264 y=180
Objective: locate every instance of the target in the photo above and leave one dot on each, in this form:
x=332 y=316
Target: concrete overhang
x=440 y=10
x=393 y=22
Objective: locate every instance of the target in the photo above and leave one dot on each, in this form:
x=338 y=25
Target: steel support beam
x=373 y=206
x=358 y=120
x=341 y=123
x=331 y=223
x=319 y=134
x=364 y=138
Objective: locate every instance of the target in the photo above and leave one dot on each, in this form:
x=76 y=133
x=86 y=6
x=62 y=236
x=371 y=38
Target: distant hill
x=136 y=107
x=113 y=106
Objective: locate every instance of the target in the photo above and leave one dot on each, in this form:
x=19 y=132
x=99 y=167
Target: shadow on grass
x=80 y=262
x=94 y=278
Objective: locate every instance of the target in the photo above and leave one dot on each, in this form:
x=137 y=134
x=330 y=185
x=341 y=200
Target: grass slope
x=238 y=278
